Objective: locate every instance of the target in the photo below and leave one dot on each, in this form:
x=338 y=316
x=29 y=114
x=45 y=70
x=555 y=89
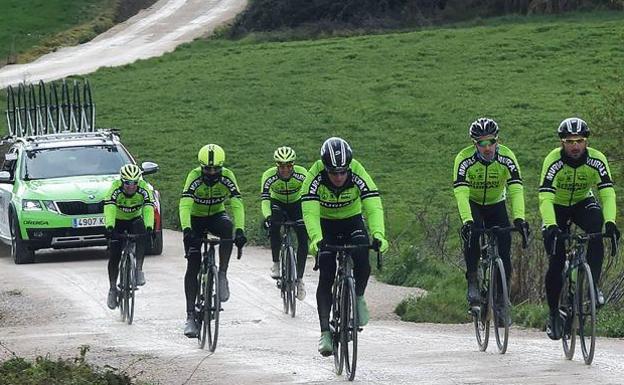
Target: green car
x=52 y=189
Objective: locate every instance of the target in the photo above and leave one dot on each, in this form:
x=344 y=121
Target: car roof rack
x=39 y=110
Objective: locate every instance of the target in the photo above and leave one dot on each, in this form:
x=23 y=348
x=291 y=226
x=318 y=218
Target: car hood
x=84 y=188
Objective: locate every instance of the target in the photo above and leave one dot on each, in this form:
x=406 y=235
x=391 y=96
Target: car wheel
x=19 y=251
x=155 y=244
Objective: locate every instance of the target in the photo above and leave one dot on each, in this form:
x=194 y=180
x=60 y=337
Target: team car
x=53 y=185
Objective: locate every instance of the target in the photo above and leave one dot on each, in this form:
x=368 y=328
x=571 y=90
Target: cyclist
x=280 y=192
x=202 y=210
x=129 y=206
x=484 y=174
x=565 y=196
x=336 y=192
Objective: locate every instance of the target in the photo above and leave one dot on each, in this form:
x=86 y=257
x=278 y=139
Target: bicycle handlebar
x=345 y=248
x=585 y=237
x=218 y=241
x=502 y=230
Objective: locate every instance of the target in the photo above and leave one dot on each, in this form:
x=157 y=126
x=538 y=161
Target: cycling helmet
x=284 y=155
x=130 y=173
x=573 y=126
x=211 y=155
x=336 y=154
x=483 y=127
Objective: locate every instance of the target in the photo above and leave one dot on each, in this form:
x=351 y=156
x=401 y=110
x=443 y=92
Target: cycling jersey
x=118 y=205
x=202 y=197
x=321 y=199
x=566 y=181
x=487 y=183
x=281 y=190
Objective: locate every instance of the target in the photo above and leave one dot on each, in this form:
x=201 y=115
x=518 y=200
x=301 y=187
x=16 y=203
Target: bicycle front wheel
x=132 y=273
x=123 y=282
x=349 y=328
x=283 y=279
x=500 y=305
x=568 y=314
x=481 y=317
x=213 y=304
x=292 y=278
x=586 y=310
x=336 y=326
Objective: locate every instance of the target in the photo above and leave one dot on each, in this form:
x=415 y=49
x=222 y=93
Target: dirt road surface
x=58 y=304
x=151 y=32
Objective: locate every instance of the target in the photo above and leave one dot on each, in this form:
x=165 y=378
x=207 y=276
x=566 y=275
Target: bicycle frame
x=288 y=268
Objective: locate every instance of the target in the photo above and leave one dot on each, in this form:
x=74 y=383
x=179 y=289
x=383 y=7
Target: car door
x=6 y=192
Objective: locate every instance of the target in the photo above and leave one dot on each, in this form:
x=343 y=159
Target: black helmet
x=336 y=154
x=573 y=126
x=482 y=127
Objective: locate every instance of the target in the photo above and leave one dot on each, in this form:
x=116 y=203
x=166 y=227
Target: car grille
x=79 y=208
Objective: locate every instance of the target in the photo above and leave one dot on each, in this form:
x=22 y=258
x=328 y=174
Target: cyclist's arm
x=148 y=207
x=311 y=205
x=606 y=191
x=236 y=200
x=548 y=189
x=461 y=188
x=265 y=192
x=110 y=206
x=186 y=201
x=371 y=201
x=515 y=187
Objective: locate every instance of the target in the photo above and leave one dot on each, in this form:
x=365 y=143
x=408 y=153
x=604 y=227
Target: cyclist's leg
x=588 y=216
x=277 y=215
x=554 y=280
x=472 y=253
x=192 y=249
x=496 y=215
x=221 y=226
x=294 y=213
x=357 y=235
x=138 y=227
x=327 y=272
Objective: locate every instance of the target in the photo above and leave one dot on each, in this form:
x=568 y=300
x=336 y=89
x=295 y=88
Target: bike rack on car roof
x=33 y=111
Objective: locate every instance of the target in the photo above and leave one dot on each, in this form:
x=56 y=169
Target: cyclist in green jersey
x=484 y=174
x=202 y=210
x=336 y=192
x=280 y=192
x=129 y=206
x=565 y=197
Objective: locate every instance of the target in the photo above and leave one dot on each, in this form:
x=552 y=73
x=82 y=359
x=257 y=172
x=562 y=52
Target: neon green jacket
x=201 y=200
x=321 y=199
x=285 y=191
x=564 y=184
x=119 y=206
x=487 y=183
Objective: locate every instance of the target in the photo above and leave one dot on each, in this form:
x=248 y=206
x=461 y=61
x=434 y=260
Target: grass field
x=30 y=23
x=403 y=100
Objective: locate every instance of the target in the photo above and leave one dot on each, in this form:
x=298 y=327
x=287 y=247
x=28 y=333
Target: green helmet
x=284 y=155
x=211 y=155
x=130 y=173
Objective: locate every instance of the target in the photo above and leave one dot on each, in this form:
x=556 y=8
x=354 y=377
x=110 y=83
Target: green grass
x=43 y=25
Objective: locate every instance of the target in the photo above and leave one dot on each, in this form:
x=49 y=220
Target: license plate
x=88 y=222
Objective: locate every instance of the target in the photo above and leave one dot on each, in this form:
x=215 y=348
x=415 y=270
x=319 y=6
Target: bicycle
x=287 y=281
x=208 y=301
x=494 y=300
x=127 y=276
x=344 y=324
x=577 y=300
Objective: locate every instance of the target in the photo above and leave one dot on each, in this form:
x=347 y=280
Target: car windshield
x=74 y=161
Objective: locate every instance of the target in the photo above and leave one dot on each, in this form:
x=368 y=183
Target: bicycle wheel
x=586 y=311
x=349 y=328
x=12 y=111
x=54 y=111
x=42 y=111
x=89 y=107
x=292 y=278
x=283 y=279
x=211 y=317
x=336 y=325
x=481 y=318
x=568 y=314
x=65 y=118
x=132 y=273
x=121 y=301
x=22 y=102
x=33 y=126
x=500 y=305
x=76 y=108
x=201 y=304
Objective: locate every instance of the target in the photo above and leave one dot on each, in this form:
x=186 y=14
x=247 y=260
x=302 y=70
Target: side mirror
x=149 y=168
x=5 y=177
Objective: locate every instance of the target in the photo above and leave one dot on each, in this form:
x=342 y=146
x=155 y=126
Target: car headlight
x=31 y=205
x=50 y=206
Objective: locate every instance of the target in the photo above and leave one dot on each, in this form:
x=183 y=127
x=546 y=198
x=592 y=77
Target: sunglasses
x=486 y=142
x=130 y=182
x=285 y=164
x=337 y=172
x=574 y=141
x=212 y=169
